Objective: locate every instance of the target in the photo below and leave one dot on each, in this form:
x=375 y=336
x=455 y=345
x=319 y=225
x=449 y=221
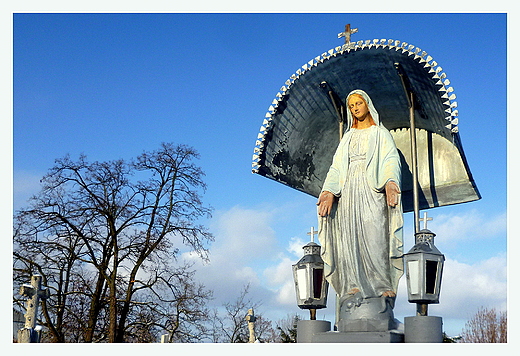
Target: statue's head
x=360 y=107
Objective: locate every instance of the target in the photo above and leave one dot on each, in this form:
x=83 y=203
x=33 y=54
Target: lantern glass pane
x=301 y=276
x=431 y=276
x=317 y=282
x=413 y=277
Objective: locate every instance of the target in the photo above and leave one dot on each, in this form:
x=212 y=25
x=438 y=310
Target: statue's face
x=358 y=107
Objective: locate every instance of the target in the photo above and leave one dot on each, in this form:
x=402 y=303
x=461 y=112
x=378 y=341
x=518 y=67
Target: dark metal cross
x=347 y=33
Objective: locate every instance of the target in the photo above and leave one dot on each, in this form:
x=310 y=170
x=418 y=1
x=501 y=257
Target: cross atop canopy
x=347 y=33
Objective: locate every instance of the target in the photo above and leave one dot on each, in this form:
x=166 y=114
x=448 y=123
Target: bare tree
x=98 y=231
x=231 y=325
x=178 y=305
x=486 y=326
x=264 y=330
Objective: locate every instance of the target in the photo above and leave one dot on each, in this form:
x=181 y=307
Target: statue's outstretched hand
x=325 y=201
x=392 y=193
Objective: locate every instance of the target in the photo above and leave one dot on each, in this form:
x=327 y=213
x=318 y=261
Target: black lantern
x=309 y=279
x=424 y=264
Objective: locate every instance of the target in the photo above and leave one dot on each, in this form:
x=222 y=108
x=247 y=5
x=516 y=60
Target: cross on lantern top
x=347 y=33
x=426 y=219
x=312 y=233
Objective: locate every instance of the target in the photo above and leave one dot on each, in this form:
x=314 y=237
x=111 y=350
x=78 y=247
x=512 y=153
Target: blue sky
x=113 y=85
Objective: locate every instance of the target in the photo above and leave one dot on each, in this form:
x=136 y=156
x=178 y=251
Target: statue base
x=318 y=331
x=306 y=329
x=424 y=329
x=359 y=337
x=366 y=314
x=361 y=320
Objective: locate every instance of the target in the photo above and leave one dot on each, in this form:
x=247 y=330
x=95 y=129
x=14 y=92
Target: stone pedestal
x=318 y=331
x=426 y=329
x=366 y=314
x=306 y=329
x=361 y=320
x=359 y=337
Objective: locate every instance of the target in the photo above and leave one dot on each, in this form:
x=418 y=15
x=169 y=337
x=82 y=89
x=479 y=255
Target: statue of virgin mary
x=359 y=208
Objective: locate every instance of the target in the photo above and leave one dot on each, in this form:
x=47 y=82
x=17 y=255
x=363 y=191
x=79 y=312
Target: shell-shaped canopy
x=300 y=132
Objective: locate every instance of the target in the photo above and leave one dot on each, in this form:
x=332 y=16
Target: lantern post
x=424 y=265
x=311 y=289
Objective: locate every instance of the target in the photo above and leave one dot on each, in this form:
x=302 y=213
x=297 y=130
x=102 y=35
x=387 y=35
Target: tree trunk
x=95 y=307
x=125 y=310
x=112 y=311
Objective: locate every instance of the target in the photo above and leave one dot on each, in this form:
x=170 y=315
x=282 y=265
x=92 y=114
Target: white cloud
x=280 y=273
x=466 y=287
x=470 y=225
x=286 y=294
x=247 y=250
x=245 y=243
x=246 y=274
x=243 y=234
x=296 y=246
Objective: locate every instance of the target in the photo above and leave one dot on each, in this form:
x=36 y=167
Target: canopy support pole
x=339 y=113
x=413 y=142
x=422 y=308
